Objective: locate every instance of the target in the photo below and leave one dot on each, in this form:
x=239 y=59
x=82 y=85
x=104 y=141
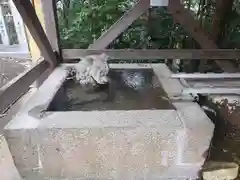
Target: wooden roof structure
x=53 y=55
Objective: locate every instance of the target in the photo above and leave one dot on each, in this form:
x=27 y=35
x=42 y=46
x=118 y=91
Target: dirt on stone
x=225 y=145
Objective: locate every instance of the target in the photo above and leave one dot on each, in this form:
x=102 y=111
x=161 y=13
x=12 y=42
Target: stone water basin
x=125 y=131
x=129 y=89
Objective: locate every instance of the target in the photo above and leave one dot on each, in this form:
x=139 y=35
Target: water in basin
x=129 y=89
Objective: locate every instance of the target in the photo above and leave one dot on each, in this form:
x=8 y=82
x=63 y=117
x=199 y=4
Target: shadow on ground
x=12 y=67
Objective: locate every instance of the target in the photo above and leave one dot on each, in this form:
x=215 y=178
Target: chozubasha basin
x=127 y=131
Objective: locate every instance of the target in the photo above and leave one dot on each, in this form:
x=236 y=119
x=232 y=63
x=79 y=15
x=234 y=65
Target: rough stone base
x=143 y=148
x=139 y=144
x=113 y=154
x=8 y=170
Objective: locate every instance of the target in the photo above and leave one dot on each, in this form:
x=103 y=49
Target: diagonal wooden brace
x=121 y=25
x=34 y=26
x=185 y=18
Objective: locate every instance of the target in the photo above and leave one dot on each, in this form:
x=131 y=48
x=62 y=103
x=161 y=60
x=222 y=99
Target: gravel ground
x=12 y=67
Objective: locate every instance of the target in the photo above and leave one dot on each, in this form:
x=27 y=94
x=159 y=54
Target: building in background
x=13 y=38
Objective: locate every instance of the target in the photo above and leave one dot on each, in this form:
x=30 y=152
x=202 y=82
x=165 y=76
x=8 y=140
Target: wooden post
x=34 y=26
x=50 y=22
x=184 y=17
x=122 y=24
x=33 y=48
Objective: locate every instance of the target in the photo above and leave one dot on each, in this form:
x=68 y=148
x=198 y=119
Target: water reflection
x=131 y=89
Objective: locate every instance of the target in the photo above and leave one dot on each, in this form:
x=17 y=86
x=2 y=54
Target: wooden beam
x=206 y=76
x=34 y=26
x=121 y=54
x=121 y=25
x=20 y=85
x=33 y=48
x=185 y=18
x=213 y=90
x=192 y=26
x=220 y=19
x=49 y=13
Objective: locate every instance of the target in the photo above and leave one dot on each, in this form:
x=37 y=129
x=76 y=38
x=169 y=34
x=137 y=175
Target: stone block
x=8 y=170
x=133 y=144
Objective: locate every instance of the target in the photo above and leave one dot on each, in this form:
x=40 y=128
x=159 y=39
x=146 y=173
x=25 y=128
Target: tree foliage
x=83 y=21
